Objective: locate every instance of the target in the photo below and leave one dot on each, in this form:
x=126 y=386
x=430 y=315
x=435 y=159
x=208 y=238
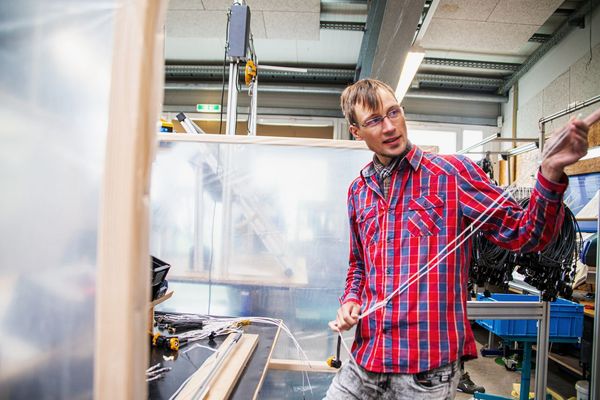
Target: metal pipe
x=541 y=366
x=569 y=110
x=440 y=95
x=232 y=98
x=504 y=153
x=558 y=114
x=481 y=143
x=220 y=357
x=253 y=107
x=504 y=310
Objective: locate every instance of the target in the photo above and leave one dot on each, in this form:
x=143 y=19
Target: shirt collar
x=414 y=157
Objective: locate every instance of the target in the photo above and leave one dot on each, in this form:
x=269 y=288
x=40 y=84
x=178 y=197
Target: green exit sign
x=211 y=108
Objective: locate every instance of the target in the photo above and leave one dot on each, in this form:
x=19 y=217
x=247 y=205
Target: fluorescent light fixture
x=283 y=69
x=484 y=141
x=522 y=149
x=409 y=70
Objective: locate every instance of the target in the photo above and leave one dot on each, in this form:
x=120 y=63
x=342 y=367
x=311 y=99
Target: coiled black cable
x=551 y=271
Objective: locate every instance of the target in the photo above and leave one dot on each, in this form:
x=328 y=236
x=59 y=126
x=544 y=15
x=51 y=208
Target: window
x=445 y=141
x=469 y=138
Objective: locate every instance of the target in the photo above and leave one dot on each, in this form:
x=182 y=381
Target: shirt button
x=389 y=239
x=389 y=270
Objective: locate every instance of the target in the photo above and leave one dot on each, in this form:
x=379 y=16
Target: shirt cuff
x=549 y=190
x=349 y=297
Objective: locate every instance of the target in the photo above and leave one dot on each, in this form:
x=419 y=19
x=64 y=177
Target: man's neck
x=385 y=161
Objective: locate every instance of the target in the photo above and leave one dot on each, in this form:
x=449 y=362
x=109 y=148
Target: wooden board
x=297 y=365
x=151 y=309
x=222 y=384
x=592 y=164
x=584 y=167
x=271 y=140
x=264 y=371
x=122 y=279
x=569 y=362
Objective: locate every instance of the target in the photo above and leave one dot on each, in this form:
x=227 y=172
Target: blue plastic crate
x=566 y=319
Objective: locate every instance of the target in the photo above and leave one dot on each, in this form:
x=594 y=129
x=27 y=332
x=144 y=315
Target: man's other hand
x=347 y=317
x=564 y=148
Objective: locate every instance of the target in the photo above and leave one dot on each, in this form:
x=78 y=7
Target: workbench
x=185 y=364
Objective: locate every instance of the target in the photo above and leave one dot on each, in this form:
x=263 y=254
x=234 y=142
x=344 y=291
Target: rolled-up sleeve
x=510 y=226
x=355 y=277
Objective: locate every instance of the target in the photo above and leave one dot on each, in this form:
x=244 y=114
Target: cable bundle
x=178 y=322
x=489 y=262
x=551 y=271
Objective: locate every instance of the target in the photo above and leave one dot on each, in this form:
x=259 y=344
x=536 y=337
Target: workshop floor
x=498 y=380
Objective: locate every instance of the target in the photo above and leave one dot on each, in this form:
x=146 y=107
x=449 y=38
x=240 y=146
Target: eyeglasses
x=393 y=114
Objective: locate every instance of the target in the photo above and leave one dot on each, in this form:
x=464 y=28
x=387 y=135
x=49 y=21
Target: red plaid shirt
x=432 y=199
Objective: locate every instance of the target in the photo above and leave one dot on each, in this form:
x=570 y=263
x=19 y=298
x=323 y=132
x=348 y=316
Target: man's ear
x=354 y=131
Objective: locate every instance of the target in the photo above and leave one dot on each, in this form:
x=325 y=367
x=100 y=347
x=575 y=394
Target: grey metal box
x=239 y=31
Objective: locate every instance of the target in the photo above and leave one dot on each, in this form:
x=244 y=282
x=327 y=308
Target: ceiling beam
x=449 y=62
x=204 y=73
x=458 y=82
x=396 y=36
x=368 y=47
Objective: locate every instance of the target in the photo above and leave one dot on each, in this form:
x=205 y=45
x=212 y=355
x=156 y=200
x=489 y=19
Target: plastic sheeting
x=257 y=229
x=56 y=61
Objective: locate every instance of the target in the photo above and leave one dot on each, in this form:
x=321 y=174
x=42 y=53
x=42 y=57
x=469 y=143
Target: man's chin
x=395 y=153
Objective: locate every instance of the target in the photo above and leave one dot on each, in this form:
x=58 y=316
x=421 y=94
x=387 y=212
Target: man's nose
x=386 y=124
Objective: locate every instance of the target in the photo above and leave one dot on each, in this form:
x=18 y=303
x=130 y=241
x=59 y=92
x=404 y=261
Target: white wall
x=564 y=75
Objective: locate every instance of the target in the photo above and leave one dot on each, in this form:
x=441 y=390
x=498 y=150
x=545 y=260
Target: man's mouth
x=391 y=140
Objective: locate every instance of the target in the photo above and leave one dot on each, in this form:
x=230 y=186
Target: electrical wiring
x=489 y=263
x=551 y=270
x=156 y=372
x=214 y=326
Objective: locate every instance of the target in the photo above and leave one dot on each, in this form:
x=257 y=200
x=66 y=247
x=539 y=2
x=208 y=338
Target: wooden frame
x=270 y=140
x=123 y=284
x=592 y=164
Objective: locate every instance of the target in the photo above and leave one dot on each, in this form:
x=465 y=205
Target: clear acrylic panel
x=256 y=229
x=56 y=61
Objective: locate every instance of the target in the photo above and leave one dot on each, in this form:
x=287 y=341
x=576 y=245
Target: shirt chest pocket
x=368 y=225
x=425 y=215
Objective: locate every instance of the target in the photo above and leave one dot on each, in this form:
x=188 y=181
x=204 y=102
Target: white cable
x=435 y=260
x=222 y=326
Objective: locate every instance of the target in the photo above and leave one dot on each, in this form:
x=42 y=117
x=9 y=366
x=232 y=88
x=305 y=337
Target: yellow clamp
x=174 y=343
x=333 y=362
x=243 y=322
x=250 y=72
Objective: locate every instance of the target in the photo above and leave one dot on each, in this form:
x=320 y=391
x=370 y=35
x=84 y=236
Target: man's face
x=388 y=138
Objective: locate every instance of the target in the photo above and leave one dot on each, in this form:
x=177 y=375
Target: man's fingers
x=333 y=325
x=349 y=320
x=340 y=321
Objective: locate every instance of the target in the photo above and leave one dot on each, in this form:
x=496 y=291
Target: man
x=403 y=209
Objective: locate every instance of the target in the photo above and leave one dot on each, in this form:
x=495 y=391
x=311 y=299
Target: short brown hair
x=362 y=92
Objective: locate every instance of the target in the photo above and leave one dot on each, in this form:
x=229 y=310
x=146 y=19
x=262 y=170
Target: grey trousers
x=354 y=382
